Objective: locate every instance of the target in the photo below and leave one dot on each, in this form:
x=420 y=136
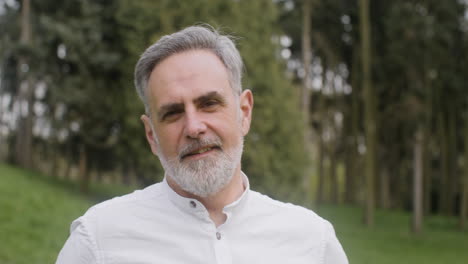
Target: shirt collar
x=195 y=207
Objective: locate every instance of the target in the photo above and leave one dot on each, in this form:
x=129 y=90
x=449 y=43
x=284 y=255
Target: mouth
x=200 y=152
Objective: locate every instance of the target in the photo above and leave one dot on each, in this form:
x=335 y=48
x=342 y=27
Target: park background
x=361 y=113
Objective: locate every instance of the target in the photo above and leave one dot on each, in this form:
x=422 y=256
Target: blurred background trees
x=357 y=102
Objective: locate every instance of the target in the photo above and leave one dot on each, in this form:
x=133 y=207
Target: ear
x=246 y=106
x=150 y=136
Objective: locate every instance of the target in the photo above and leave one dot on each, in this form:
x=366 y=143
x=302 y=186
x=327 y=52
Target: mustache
x=197 y=144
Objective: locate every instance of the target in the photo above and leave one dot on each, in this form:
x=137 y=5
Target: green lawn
x=391 y=240
x=35 y=213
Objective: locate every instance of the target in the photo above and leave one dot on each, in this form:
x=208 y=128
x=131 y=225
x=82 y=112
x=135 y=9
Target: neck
x=215 y=203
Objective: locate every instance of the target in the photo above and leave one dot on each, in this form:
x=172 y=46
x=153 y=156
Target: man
x=203 y=211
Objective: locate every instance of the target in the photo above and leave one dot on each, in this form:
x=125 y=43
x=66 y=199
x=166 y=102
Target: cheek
x=168 y=141
x=234 y=130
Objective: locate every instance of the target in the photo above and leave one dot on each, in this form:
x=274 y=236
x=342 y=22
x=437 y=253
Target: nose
x=194 y=125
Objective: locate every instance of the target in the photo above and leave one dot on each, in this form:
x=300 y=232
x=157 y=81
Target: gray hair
x=191 y=38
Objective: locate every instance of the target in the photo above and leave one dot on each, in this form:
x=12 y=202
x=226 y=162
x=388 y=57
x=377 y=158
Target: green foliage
x=419 y=56
x=419 y=53
x=88 y=50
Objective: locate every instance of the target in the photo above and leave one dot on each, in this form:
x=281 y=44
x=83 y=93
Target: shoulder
x=290 y=218
x=137 y=198
x=300 y=226
x=102 y=223
x=120 y=208
x=266 y=204
x=149 y=193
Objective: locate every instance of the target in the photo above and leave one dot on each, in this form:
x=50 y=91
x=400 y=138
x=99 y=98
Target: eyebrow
x=180 y=106
x=169 y=108
x=210 y=96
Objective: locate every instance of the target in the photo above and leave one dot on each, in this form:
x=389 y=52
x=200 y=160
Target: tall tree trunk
x=464 y=189
x=306 y=60
x=353 y=154
x=306 y=85
x=444 y=171
x=333 y=175
x=418 y=182
x=370 y=113
x=452 y=180
x=349 y=173
x=321 y=150
x=427 y=176
x=320 y=169
x=23 y=144
x=427 y=155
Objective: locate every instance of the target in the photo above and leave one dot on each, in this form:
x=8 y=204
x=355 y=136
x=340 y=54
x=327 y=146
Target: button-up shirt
x=156 y=225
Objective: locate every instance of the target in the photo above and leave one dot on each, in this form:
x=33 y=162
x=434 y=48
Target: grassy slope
x=391 y=240
x=35 y=214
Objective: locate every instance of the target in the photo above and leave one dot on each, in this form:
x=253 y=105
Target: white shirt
x=156 y=225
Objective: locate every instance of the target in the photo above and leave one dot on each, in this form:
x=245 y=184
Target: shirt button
x=193 y=204
x=218 y=235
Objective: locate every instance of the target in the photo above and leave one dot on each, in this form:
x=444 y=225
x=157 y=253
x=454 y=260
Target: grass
x=36 y=211
x=391 y=240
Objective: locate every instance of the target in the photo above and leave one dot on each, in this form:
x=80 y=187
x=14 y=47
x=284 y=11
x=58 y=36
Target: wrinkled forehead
x=187 y=75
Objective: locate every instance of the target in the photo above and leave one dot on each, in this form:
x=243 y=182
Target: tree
x=418 y=183
x=24 y=98
x=464 y=188
x=370 y=112
x=306 y=87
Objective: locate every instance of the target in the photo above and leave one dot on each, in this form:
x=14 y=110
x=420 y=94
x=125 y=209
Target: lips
x=203 y=150
x=198 y=151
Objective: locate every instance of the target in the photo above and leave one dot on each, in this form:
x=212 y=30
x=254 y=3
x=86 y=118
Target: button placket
x=221 y=248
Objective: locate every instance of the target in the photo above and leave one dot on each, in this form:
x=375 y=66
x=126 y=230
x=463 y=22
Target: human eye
x=171 y=115
x=210 y=103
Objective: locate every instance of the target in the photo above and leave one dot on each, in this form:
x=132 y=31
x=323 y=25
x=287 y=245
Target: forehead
x=187 y=75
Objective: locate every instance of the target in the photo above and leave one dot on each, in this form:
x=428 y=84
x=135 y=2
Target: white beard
x=206 y=176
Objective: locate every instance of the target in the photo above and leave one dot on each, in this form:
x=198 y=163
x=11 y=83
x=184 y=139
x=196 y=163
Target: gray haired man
x=203 y=211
